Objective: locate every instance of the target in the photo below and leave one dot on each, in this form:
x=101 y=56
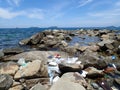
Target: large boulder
x=35 y=39
x=8 y=68
x=75 y=77
x=14 y=50
x=38 y=87
x=32 y=69
x=6 y=81
x=33 y=55
x=63 y=84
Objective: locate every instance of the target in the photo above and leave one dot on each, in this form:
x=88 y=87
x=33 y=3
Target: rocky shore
x=63 y=59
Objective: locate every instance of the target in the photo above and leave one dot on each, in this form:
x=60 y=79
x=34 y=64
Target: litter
x=72 y=60
x=55 y=79
x=22 y=62
x=113 y=57
x=84 y=73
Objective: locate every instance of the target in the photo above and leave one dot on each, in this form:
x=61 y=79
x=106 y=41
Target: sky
x=61 y=13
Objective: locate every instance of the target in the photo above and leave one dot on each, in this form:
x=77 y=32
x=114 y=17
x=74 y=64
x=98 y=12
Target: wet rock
x=6 y=81
x=62 y=84
x=8 y=68
x=16 y=86
x=25 y=41
x=16 y=50
x=38 y=87
x=39 y=70
x=31 y=82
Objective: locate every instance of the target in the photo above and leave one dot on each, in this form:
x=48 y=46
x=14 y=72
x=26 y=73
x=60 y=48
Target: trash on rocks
x=72 y=60
x=53 y=66
x=113 y=57
x=55 y=79
x=22 y=62
x=83 y=73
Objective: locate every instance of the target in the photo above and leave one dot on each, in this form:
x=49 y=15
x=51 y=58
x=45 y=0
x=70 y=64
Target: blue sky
x=62 y=13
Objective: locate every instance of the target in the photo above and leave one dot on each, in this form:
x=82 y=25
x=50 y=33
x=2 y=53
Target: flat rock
x=74 y=77
x=8 y=68
x=32 y=69
x=62 y=84
x=33 y=55
x=15 y=50
x=38 y=87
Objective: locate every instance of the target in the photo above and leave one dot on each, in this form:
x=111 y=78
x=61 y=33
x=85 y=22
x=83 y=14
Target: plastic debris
x=22 y=62
x=72 y=60
x=55 y=79
x=113 y=57
x=84 y=73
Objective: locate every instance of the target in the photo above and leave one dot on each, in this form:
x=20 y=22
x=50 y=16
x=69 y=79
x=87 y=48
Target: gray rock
x=24 y=41
x=102 y=43
x=31 y=82
x=6 y=82
x=1 y=53
x=33 y=55
x=35 y=39
x=38 y=87
x=95 y=85
x=15 y=50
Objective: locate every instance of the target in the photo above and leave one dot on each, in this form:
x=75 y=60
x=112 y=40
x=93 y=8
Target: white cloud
x=6 y=14
x=84 y=2
x=14 y=2
x=33 y=13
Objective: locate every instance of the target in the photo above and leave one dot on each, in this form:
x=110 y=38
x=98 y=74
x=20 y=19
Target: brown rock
x=33 y=69
x=8 y=68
